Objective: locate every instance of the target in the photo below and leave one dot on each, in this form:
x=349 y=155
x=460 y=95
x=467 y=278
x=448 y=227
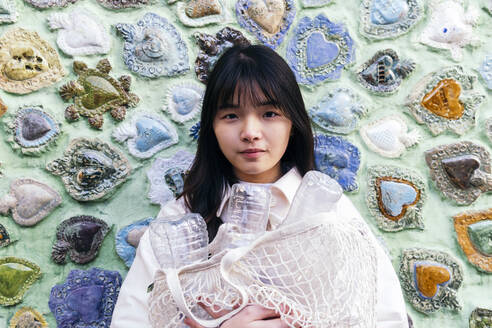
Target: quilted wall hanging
x=110 y=93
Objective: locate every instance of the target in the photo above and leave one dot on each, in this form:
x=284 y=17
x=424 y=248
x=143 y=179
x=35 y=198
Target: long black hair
x=242 y=70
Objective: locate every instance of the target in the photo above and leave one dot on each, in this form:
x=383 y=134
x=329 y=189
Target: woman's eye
x=230 y=116
x=270 y=114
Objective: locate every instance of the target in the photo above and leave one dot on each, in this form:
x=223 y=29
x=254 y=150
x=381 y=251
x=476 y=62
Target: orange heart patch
x=429 y=277
x=443 y=100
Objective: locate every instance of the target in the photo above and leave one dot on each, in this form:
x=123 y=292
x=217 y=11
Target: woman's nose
x=251 y=129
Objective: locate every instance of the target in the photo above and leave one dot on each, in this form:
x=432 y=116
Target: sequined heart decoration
x=443 y=100
x=16 y=276
x=267 y=13
x=395 y=196
x=430 y=277
x=460 y=169
x=12 y=279
x=320 y=51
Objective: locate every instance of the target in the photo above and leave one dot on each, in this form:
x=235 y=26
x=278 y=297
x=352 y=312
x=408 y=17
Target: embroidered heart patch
x=338 y=111
x=384 y=12
x=81 y=33
x=320 y=51
x=33 y=130
x=383 y=19
x=150 y=134
x=269 y=20
x=268 y=14
x=30 y=201
x=128 y=238
x=396 y=196
x=389 y=136
x=16 y=276
x=339 y=159
x=460 y=169
x=443 y=100
x=430 y=277
x=146 y=134
x=85 y=302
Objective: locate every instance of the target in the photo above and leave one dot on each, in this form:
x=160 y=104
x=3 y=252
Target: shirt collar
x=287 y=185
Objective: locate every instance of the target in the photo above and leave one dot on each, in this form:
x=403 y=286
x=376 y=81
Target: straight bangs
x=247 y=83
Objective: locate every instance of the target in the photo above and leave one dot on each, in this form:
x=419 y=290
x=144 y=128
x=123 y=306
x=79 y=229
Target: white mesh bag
x=315 y=272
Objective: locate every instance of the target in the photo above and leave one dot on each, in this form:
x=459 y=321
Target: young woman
x=254 y=128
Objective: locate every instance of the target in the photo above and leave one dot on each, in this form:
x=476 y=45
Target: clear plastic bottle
x=179 y=240
x=305 y=202
x=248 y=212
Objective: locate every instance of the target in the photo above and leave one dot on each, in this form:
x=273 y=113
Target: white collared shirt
x=131 y=308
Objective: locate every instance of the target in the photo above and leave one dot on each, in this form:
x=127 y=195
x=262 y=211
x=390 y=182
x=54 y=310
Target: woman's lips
x=252 y=153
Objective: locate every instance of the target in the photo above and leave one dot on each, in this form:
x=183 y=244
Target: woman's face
x=253 y=138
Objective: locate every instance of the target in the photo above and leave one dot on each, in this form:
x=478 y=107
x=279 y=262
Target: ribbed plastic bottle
x=179 y=240
x=248 y=212
x=317 y=193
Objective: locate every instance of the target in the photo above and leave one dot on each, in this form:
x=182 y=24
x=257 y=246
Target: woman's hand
x=252 y=316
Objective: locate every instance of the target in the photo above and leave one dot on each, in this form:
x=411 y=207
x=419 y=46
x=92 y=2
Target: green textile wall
x=130 y=203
